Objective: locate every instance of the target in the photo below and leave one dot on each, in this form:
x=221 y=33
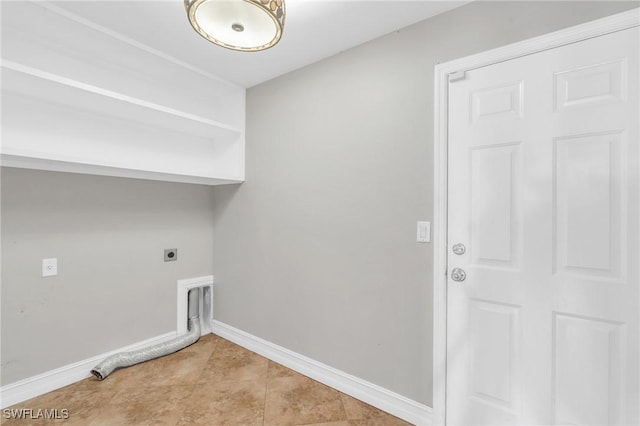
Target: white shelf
x=56 y=123
x=9 y=159
x=52 y=88
x=79 y=98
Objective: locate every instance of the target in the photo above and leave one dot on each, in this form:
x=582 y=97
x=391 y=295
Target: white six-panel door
x=543 y=194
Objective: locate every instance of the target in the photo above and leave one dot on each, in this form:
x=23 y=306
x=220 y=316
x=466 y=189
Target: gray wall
x=316 y=251
x=113 y=288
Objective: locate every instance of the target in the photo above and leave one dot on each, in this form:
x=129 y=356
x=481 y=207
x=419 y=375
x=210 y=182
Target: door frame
x=453 y=70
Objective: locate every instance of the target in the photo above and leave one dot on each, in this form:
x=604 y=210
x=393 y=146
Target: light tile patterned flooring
x=213 y=382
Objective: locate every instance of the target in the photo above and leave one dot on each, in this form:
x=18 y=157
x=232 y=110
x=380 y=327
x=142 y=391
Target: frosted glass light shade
x=247 y=25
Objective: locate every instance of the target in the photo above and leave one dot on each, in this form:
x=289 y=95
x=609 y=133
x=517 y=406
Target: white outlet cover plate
x=49 y=267
x=423 y=234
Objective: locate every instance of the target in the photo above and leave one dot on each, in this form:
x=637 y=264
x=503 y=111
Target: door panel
x=494 y=333
x=591 y=85
x=543 y=193
x=588 y=213
x=495 y=205
x=588 y=371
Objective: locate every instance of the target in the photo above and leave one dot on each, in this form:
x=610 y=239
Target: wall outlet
x=49 y=267
x=170 y=255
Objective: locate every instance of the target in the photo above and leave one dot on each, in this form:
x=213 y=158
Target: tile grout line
x=266 y=386
x=346 y=415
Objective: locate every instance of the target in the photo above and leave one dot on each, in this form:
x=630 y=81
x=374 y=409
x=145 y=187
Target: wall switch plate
x=424 y=232
x=49 y=267
x=170 y=255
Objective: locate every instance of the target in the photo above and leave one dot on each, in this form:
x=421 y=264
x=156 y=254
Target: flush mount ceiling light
x=247 y=25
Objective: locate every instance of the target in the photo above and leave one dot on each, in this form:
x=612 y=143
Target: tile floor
x=213 y=382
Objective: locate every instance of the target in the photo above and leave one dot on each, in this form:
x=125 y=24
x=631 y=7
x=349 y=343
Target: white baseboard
x=384 y=399
x=54 y=379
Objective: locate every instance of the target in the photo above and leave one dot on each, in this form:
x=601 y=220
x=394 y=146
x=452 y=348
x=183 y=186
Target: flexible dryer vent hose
x=127 y=359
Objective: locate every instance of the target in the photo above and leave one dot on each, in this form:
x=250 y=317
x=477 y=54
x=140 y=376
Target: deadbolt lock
x=458 y=249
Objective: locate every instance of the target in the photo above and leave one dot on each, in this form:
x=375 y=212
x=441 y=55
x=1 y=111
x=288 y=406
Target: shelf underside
x=28 y=162
x=51 y=88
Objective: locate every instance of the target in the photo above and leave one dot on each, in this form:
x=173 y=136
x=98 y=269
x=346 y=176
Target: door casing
x=452 y=70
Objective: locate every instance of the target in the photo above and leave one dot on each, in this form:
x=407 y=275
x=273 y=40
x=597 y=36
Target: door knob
x=458 y=249
x=458 y=274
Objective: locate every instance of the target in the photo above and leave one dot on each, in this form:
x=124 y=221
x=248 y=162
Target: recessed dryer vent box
x=206 y=303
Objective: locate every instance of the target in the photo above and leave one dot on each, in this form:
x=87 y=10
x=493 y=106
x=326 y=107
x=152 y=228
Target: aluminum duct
x=127 y=359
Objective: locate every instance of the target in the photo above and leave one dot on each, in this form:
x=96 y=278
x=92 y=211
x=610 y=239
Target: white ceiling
x=314 y=29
